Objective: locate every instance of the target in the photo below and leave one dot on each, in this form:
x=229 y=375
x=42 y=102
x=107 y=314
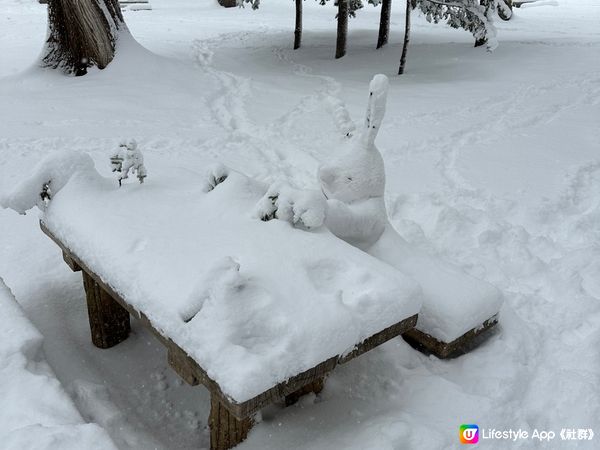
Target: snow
x=128 y=158
x=299 y=207
x=36 y=411
x=453 y=302
x=491 y=163
x=49 y=176
x=253 y=302
x=353 y=180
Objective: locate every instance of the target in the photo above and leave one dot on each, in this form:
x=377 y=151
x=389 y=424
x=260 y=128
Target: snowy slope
x=36 y=412
x=492 y=162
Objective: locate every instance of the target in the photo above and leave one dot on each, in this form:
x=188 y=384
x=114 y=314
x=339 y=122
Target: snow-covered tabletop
x=36 y=411
x=253 y=302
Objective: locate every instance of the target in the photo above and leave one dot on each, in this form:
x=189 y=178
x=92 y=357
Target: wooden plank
x=314 y=387
x=109 y=321
x=429 y=345
x=192 y=369
x=379 y=338
x=226 y=430
x=72 y=264
x=183 y=365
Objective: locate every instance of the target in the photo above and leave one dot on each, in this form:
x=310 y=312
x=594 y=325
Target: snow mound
x=47 y=178
x=453 y=301
x=36 y=412
x=302 y=208
x=253 y=301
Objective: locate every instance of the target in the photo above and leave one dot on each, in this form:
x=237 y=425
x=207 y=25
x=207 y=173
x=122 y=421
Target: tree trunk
x=298 y=29
x=342 y=28
x=505 y=11
x=406 y=37
x=384 y=23
x=82 y=34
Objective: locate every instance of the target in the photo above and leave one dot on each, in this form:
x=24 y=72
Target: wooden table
x=229 y=421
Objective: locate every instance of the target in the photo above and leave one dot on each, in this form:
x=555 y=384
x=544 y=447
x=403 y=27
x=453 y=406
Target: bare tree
x=409 y=8
x=342 y=28
x=82 y=34
x=298 y=29
x=384 y=23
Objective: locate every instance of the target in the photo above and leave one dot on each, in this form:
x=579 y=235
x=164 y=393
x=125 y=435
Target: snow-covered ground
x=36 y=411
x=492 y=160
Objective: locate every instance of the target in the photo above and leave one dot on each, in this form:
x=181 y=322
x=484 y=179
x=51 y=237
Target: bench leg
x=109 y=321
x=315 y=387
x=226 y=430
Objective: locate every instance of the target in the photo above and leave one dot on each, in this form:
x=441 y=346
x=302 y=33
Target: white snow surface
x=453 y=302
x=54 y=171
x=36 y=412
x=491 y=163
x=253 y=302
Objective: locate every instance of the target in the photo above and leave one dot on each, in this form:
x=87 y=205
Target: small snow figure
x=215 y=175
x=128 y=159
x=354 y=184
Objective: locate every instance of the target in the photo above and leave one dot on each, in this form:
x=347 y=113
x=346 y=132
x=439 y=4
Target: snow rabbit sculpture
x=354 y=183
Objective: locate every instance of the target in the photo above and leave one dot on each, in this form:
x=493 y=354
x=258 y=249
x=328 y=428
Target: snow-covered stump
x=109 y=321
x=82 y=34
x=226 y=430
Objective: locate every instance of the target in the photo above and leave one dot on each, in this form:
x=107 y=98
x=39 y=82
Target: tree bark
x=342 y=28
x=384 y=23
x=298 y=29
x=506 y=13
x=406 y=37
x=82 y=34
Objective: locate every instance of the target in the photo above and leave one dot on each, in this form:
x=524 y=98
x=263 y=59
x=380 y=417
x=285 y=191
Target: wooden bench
x=229 y=421
x=430 y=345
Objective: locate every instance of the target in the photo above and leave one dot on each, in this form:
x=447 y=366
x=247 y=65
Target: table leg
x=315 y=387
x=109 y=321
x=226 y=430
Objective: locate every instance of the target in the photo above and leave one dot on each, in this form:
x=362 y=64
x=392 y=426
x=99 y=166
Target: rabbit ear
x=378 y=89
